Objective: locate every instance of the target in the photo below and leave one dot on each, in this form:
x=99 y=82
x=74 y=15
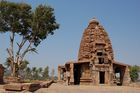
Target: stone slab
x=13 y=87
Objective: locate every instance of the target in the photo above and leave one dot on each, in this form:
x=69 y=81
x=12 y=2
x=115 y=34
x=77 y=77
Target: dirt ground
x=1 y=89
x=60 y=88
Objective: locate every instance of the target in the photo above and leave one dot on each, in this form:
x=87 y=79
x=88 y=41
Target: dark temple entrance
x=119 y=74
x=77 y=74
x=102 y=77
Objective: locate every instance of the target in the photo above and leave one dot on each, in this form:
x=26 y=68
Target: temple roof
x=120 y=63
x=94 y=39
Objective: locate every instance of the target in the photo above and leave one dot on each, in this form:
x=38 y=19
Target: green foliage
x=7 y=63
x=45 y=74
x=36 y=73
x=43 y=23
x=27 y=74
x=134 y=72
x=15 y=17
x=23 y=65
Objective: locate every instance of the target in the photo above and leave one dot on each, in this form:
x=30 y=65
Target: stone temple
x=95 y=64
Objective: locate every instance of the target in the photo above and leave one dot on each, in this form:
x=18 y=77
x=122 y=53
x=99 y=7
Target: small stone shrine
x=96 y=64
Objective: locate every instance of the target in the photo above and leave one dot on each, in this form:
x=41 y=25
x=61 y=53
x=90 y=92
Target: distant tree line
x=34 y=73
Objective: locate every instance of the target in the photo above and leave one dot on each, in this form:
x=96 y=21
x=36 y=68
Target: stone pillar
x=93 y=74
x=126 y=78
x=59 y=73
x=110 y=79
x=97 y=78
x=71 y=73
x=106 y=77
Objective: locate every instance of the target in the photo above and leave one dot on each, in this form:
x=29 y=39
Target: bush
x=134 y=73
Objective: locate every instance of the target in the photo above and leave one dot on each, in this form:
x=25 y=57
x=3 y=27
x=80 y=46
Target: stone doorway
x=102 y=77
x=77 y=74
x=119 y=74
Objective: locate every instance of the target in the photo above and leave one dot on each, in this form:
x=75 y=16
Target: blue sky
x=120 y=18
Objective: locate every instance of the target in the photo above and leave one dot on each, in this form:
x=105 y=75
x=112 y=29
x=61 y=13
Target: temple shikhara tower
x=95 y=64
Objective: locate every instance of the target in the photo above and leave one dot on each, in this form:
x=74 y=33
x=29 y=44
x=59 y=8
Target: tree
x=30 y=26
x=34 y=73
x=40 y=71
x=46 y=73
x=22 y=67
x=134 y=72
x=7 y=63
x=28 y=74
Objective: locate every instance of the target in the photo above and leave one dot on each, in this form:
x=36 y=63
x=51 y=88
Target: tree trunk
x=11 y=54
x=14 y=70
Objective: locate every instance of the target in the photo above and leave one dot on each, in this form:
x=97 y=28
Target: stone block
x=31 y=86
x=13 y=87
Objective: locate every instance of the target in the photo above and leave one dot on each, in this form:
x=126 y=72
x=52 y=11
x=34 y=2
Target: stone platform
x=27 y=86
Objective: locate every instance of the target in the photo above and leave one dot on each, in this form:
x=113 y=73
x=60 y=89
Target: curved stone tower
x=95 y=42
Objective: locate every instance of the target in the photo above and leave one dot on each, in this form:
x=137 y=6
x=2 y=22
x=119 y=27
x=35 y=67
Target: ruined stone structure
x=1 y=73
x=95 y=63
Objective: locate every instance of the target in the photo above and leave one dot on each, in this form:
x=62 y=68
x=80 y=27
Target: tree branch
x=20 y=46
x=12 y=44
x=26 y=50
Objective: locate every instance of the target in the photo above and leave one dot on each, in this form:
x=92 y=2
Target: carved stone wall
x=94 y=36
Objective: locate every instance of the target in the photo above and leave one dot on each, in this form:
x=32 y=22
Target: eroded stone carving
x=94 y=36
